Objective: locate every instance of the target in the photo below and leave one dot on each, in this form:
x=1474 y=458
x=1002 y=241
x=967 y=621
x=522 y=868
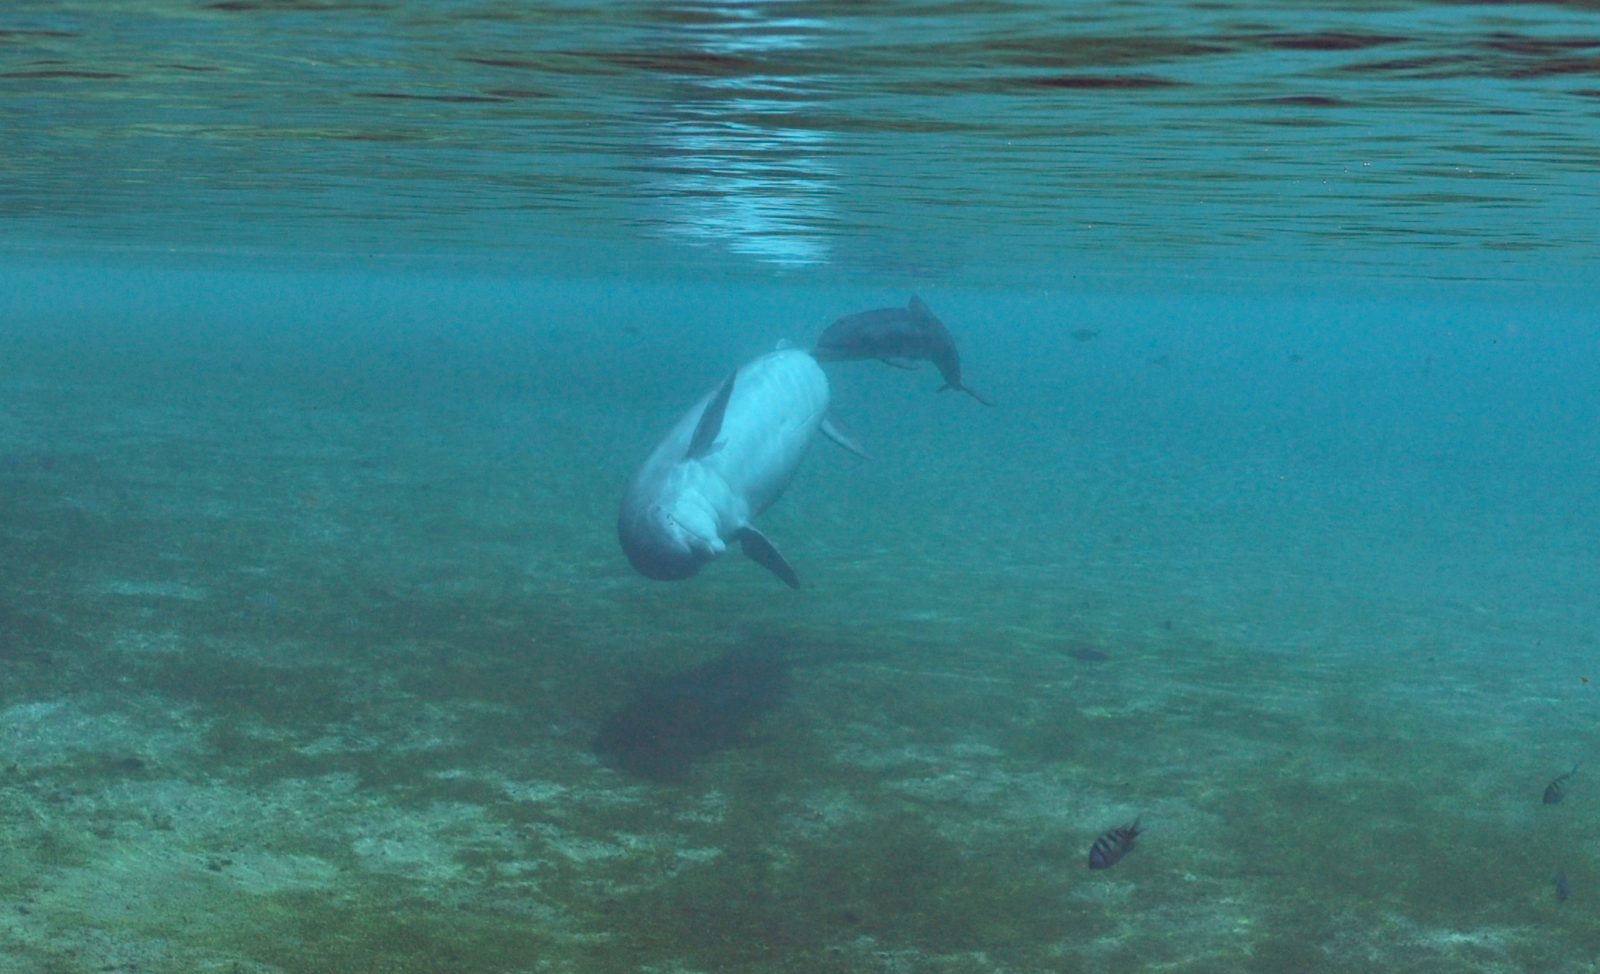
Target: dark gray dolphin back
x=882 y=333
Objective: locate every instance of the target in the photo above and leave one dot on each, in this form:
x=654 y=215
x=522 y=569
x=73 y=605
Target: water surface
x=893 y=139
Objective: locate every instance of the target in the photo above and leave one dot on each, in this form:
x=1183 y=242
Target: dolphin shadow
x=678 y=718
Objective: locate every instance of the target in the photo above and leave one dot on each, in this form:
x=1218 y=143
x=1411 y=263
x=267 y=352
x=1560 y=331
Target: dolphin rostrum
x=897 y=336
x=724 y=462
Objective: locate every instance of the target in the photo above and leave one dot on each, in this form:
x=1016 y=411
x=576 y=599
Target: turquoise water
x=331 y=333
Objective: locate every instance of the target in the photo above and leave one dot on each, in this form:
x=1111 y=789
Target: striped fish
x=1556 y=790
x=1109 y=849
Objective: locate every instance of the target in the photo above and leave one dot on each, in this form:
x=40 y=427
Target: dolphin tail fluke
x=705 y=432
x=977 y=395
x=832 y=431
x=969 y=391
x=759 y=550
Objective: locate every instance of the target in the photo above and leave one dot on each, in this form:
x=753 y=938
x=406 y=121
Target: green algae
x=376 y=934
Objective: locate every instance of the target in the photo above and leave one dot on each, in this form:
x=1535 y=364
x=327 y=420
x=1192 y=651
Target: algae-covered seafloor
x=309 y=639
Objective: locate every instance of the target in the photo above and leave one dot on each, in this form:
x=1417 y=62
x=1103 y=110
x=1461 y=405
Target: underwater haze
x=331 y=334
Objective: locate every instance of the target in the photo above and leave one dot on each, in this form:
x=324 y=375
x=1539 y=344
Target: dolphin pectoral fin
x=759 y=550
x=705 y=432
x=901 y=363
x=831 y=430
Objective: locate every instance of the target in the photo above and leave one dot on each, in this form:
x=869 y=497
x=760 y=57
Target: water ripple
x=928 y=134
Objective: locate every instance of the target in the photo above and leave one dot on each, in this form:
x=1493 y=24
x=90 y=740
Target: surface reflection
x=731 y=162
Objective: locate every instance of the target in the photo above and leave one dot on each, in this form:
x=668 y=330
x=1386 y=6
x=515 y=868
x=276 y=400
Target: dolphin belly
x=724 y=462
x=779 y=401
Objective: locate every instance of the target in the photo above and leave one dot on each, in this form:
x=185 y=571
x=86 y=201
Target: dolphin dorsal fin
x=917 y=308
x=705 y=432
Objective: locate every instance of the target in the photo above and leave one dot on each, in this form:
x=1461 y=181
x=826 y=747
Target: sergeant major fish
x=1557 y=789
x=1109 y=849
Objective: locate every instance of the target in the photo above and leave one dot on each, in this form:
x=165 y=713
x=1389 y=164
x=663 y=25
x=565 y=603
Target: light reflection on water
x=901 y=138
x=727 y=166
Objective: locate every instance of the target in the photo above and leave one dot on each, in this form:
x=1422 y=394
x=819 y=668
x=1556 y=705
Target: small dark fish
x=1557 y=789
x=898 y=336
x=1085 y=335
x=1562 y=891
x=1109 y=849
x=1085 y=653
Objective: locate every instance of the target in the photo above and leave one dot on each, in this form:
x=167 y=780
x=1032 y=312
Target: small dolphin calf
x=896 y=335
x=727 y=460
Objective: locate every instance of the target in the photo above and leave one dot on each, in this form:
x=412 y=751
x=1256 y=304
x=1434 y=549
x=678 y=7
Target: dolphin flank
x=725 y=462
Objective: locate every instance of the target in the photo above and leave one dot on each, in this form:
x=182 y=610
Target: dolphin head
x=669 y=540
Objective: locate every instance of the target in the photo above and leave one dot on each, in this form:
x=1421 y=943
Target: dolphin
x=897 y=336
x=724 y=463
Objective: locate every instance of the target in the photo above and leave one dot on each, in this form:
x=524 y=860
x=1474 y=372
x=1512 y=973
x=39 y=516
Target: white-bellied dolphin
x=896 y=335
x=727 y=460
